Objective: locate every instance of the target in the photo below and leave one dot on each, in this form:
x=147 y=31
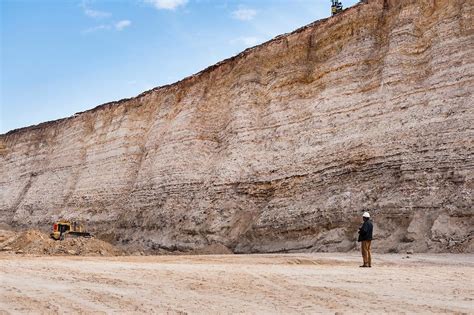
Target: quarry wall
x=278 y=149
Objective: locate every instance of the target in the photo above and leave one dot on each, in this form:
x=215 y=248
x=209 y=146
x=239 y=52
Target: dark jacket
x=365 y=231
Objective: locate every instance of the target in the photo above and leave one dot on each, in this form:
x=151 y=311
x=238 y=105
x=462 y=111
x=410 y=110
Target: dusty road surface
x=296 y=283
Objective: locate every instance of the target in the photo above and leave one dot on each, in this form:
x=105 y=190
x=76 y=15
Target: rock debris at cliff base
x=34 y=242
x=278 y=149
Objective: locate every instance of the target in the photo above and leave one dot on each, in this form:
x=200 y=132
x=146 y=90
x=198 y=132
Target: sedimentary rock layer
x=278 y=149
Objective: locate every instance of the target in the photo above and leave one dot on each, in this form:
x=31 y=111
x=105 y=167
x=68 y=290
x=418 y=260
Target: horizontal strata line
x=333 y=113
x=220 y=139
x=293 y=122
x=123 y=156
x=387 y=158
x=278 y=180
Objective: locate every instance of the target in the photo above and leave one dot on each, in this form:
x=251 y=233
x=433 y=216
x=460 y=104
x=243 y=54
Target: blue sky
x=59 y=57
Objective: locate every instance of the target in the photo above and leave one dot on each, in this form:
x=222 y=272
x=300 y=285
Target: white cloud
x=246 y=41
x=96 y=28
x=244 y=14
x=120 y=25
x=167 y=4
x=96 y=14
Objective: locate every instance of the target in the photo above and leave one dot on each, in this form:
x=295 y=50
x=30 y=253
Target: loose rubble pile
x=34 y=242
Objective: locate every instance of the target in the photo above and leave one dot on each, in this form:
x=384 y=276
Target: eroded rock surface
x=278 y=149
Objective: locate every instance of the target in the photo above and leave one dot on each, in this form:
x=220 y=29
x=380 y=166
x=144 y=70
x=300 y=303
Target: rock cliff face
x=278 y=149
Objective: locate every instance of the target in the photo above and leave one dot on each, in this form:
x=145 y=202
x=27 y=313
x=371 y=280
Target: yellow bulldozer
x=63 y=229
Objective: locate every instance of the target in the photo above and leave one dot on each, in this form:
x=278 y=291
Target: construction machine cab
x=336 y=7
x=64 y=228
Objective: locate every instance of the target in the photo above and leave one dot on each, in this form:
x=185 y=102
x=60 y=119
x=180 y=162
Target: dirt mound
x=38 y=243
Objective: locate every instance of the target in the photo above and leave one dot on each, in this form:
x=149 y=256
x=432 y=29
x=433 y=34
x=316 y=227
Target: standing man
x=365 y=236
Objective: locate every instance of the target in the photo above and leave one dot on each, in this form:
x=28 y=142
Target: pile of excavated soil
x=38 y=243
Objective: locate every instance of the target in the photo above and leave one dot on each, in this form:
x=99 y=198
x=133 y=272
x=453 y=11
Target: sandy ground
x=297 y=283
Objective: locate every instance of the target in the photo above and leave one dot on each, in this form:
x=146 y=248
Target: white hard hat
x=366 y=215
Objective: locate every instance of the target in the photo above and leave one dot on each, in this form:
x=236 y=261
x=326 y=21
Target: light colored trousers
x=366 y=256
